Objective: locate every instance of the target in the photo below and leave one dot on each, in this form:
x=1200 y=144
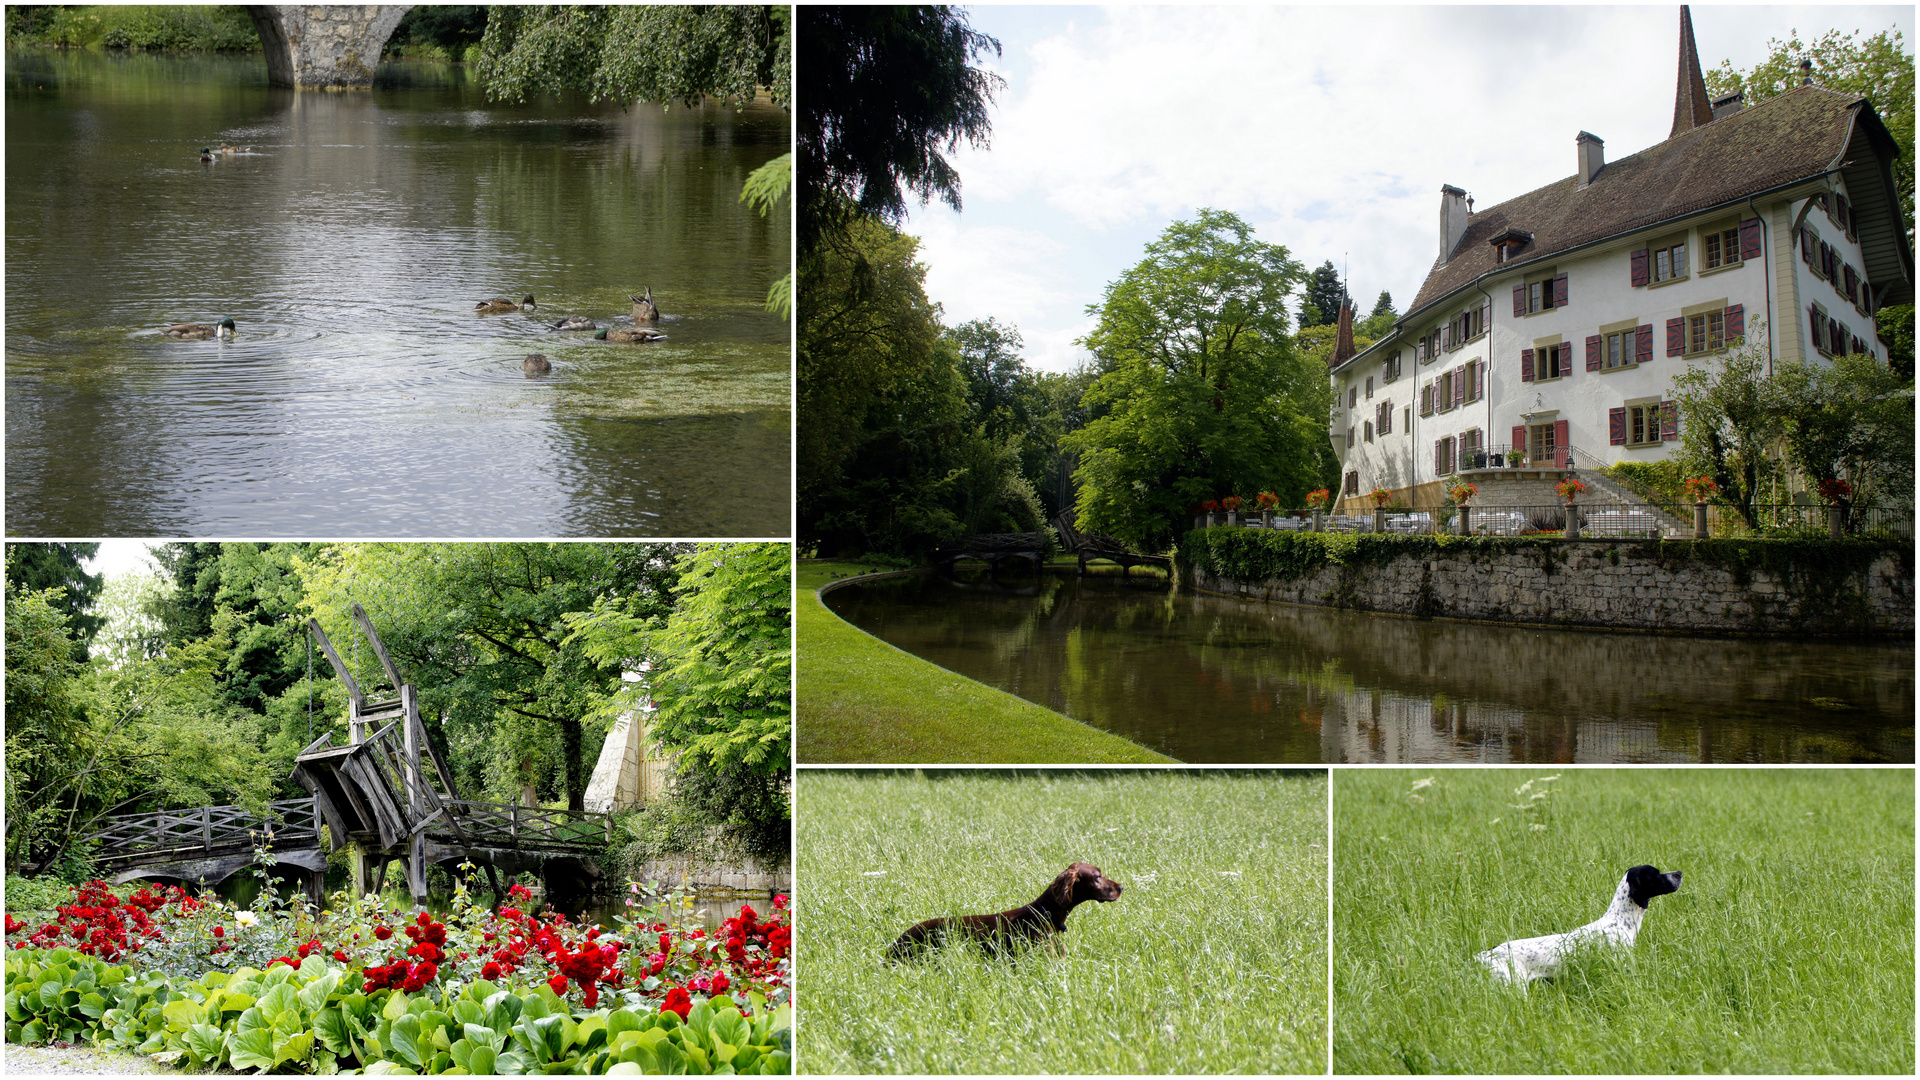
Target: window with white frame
x=1670 y=261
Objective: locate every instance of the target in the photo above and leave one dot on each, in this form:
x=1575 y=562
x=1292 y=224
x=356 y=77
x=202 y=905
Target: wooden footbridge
x=1093 y=546
x=388 y=796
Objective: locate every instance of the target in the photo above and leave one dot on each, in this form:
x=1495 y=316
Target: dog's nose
x=1675 y=878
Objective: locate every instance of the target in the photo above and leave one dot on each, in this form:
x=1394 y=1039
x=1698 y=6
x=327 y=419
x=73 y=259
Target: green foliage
x=1205 y=391
x=37 y=894
x=1895 y=324
x=889 y=89
x=1382 y=306
x=715 y=815
x=1260 y=554
x=764 y=189
x=1851 y=418
x=1662 y=477
x=1878 y=68
x=1320 y=306
x=661 y=54
x=38 y=567
x=316 y=1019
x=1731 y=418
x=438 y=31
x=134 y=26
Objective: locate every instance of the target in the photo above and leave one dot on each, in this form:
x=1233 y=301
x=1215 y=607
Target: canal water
x=1211 y=679
x=362 y=395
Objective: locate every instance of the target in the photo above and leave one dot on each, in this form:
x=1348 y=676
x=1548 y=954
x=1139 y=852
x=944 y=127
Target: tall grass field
x=1212 y=960
x=1789 y=947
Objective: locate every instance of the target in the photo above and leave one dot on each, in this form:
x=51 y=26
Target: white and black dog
x=1526 y=959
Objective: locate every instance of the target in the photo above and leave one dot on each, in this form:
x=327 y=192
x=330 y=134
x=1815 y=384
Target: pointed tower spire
x=1343 y=349
x=1691 y=107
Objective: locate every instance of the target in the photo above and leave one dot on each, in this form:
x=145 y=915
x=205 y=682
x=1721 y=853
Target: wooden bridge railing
x=512 y=825
x=205 y=830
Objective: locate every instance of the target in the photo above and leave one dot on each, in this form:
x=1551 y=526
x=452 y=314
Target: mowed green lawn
x=859 y=700
x=1212 y=960
x=1789 y=947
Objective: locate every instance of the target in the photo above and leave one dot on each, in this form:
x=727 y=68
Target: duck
x=576 y=322
x=643 y=309
x=206 y=153
x=229 y=148
x=638 y=333
x=536 y=365
x=501 y=303
x=199 y=331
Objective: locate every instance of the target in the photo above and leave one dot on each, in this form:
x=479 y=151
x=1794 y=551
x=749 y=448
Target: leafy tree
x=1851 y=419
x=890 y=91
x=479 y=629
x=1205 y=391
x=1382 y=306
x=1324 y=292
x=1878 y=68
x=1731 y=417
x=444 y=30
x=648 y=53
x=1895 y=322
x=39 y=567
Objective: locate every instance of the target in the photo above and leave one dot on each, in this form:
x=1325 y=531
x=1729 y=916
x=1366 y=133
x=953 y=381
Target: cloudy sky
x=1329 y=129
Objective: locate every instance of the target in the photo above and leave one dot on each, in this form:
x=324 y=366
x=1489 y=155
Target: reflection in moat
x=1214 y=679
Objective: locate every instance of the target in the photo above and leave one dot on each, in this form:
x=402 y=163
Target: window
x=1817 y=315
x=1406 y=418
x=1540 y=445
x=1472 y=452
x=1552 y=361
x=1383 y=418
x=1852 y=289
x=1476 y=376
x=1369 y=388
x=1707 y=332
x=1643 y=424
x=1544 y=294
x=1390 y=370
x=1428 y=347
x=1829 y=264
x=1810 y=248
x=1353 y=483
x=1845 y=215
x=1669 y=262
x=1367 y=431
x=1426 y=398
x=1466 y=326
x=1443 y=400
x=1619 y=349
x=1443 y=456
x=1353 y=396
x=1719 y=248
x=1349 y=438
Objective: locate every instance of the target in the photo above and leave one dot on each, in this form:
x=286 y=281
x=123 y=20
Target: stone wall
x=738 y=875
x=1659 y=586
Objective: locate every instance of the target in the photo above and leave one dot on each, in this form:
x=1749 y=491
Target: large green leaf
x=481 y=1061
x=503 y=1011
x=184 y=1012
x=406 y=1039
x=729 y=1028
x=279 y=998
x=251 y=1049
x=331 y=1025
x=207 y=1044
x=314 y=995
x=293 y=1048
x=482 y=1035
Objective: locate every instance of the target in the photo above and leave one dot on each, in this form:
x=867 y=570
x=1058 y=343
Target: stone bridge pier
x=325 y=46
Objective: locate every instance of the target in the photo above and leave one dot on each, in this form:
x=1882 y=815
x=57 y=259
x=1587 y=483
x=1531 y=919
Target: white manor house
x=1552 y=324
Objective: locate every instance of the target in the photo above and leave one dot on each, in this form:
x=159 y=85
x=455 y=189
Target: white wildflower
x=1418 y=784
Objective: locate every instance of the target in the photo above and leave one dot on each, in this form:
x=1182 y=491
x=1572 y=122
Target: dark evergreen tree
x=1324 y=293
x=36 y=567
x=1382 y=306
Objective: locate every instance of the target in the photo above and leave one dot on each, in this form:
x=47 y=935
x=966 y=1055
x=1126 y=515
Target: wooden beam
x=373 y=638
x=339 y=666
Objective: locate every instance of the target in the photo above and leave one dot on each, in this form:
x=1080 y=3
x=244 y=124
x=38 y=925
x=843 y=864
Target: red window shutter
x=1806 y=245
x=1826 y=259
x=1637 y=268
x=1519 y=438
x=1459 y=388
x=1736 y=321
x=1560 y=446
x=1750 y=239
x=1519 y=300
x=1617 y=426
x=1836 y=336
x=1559 y=290
x=1846 y=219
x=1853 y=282
x=1526 y=365
x=1486 y=315
x=1439 y=465
x=1819 y=326
x=1676 y=337
x=1446 y=337
x=1643 y=344
x=1669 y=421
x=1593 y=352
x=1349 y=438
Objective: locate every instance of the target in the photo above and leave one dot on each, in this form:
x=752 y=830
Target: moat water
x=1211 y=679
x=362 y=395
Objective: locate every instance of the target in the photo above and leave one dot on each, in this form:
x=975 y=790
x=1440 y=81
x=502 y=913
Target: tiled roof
x=1791 y=137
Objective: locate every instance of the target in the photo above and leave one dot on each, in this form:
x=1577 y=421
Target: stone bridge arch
x=324 y=46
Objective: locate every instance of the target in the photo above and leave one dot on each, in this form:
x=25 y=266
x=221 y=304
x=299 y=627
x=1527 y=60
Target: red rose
x=340 y=955
x=219 y=931
x=559 y=984
x=678 y=1002
x=423 y=918
x=490 y=972
x=720 y=982
x=592 y=996
x=382 y=932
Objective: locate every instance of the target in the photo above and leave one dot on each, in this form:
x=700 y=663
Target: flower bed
x=358 y=972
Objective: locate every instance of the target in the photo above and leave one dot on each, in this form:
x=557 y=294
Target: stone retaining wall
x=1603 y=584
x=744 y=875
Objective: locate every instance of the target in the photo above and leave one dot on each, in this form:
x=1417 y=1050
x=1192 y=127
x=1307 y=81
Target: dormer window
x=1508 y=244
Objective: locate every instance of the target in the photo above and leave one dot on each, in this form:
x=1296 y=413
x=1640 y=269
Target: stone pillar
x=1318 y=525
x=1836 y=521
x=1573 y=521
x=324 y=46
x=1379 y=519
x=1700 y=521
x=1466 y=526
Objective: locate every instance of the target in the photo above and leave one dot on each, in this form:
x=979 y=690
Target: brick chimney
x=1454 y=219
x=1592 y=152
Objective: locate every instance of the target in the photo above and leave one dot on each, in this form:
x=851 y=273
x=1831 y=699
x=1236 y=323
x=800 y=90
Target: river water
x=1225 y=680
x=362 y=395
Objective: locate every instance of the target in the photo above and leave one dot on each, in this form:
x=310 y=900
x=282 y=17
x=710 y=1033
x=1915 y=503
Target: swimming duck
x=536 y=365
x=501 y=303
x=229 y=148
x=638 y=333
x=199 y=331
x=206 y=153
x=643 y=309
x=576 y=322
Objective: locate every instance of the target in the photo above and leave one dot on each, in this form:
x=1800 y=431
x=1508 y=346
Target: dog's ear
x=1061 y=891
x=1646 y=882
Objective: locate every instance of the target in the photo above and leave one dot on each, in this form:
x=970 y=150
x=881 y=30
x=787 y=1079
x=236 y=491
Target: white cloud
x=1330 y=128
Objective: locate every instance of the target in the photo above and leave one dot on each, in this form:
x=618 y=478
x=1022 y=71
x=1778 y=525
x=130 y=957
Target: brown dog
x=1023 y=925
